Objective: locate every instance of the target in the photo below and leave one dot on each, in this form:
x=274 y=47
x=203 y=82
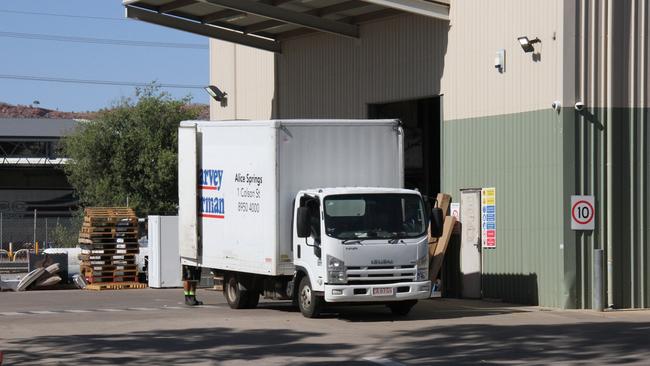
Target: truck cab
x=360 y=245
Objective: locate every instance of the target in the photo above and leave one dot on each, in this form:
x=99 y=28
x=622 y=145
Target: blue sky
x=91 y=61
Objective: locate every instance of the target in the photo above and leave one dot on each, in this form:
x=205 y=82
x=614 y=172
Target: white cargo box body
x=246 y=175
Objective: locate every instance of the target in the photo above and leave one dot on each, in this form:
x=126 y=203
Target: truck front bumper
x=364 y=293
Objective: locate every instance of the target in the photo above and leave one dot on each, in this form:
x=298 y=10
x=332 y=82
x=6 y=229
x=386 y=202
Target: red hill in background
x=26 y=111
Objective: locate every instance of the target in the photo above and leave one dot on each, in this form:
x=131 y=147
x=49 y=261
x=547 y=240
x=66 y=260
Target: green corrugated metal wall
x=537 y=160
x=630 y=257
x=521 y=155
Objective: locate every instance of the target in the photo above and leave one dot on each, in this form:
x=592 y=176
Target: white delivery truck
x=308 y=210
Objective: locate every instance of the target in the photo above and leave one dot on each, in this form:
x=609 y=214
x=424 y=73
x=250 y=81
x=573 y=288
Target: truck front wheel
x=236 y=295
x=402 y=308
x=308 y=301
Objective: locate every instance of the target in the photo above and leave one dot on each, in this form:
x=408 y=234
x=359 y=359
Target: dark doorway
x=421 y=122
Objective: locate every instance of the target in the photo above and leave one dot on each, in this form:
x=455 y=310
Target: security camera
x=556 y=105
x=579 y=106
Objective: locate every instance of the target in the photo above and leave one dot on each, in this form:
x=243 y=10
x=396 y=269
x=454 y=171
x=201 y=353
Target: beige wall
x=325 y=76
x=411 y=56
x=478 y=29
x=247 y=75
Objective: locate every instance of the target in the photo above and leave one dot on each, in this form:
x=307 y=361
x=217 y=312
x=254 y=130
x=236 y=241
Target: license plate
x=382 y=291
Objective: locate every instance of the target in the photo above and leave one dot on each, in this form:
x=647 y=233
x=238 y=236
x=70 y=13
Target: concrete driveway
x=152 y=327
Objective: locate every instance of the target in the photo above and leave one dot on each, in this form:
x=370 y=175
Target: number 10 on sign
x=582 y=213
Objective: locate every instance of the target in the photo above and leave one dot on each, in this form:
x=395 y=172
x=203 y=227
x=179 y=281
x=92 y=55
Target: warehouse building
x=539 y=99
x=32 y=180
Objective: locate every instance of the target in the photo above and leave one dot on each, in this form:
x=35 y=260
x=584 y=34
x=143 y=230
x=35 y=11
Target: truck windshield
x=374 y=216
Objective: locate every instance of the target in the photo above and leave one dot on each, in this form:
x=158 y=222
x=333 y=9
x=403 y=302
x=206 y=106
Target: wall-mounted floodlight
x=527 y=44
x=215 y=93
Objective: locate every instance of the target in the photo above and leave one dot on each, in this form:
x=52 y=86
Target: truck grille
x=381 y=274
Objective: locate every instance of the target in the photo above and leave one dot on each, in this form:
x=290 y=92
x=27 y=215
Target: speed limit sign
x=582 y=213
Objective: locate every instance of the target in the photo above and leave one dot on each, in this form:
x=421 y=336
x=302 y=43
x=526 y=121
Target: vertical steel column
x=593 y=154
x=632 y=152
x=610 y=160
x=643 y=153
x=602 y=102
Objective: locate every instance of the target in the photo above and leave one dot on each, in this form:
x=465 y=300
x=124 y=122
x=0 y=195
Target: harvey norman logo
x=212 y=202
x=211 y=179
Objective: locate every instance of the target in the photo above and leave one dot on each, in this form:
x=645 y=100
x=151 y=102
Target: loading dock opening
x=421 y=123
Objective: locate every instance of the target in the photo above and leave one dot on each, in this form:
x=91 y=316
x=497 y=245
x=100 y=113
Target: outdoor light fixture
x=215 y=93
x=527 y=45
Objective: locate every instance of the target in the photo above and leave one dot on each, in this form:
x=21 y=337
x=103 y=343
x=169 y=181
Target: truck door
x=307 y=251
x=187 y=192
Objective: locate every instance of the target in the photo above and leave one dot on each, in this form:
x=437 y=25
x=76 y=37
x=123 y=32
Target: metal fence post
x=597 y=290
x=34 y=242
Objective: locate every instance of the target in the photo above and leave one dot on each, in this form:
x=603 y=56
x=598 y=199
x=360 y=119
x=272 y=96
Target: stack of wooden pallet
x=109 y=245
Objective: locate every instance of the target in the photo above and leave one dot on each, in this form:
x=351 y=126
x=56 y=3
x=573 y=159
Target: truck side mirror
x=436 y=222
x=302 y=222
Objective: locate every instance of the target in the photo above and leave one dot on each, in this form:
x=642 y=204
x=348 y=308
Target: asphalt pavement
x=153 y=327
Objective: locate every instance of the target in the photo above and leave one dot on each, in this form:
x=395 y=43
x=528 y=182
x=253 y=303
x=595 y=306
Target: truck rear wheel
x=308 y=302
x=402 y=308
x=253 y=297
x=236 y=294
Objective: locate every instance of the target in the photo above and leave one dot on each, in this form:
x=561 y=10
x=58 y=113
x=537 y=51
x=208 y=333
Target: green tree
x=130 y=152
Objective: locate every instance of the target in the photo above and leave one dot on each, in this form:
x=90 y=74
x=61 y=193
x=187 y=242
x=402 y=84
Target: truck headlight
x=336 y=271
x=422 y=268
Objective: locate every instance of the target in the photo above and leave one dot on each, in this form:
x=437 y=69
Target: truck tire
x=308 y=302
x=236 y=296
x=253 y=296
x=402 y=308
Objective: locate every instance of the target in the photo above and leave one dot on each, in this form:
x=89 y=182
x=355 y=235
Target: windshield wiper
x=352 y=241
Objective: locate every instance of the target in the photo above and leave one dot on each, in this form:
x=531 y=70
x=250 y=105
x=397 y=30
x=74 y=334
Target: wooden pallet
x=109 y=212
x=118 y=262
x=88 y=239
x=106 y=257
x=132 y=277
x=111 y=276
x=115 y=286
x=108 y=267
x=110 y=251
x=110 y=246
x=106 y=233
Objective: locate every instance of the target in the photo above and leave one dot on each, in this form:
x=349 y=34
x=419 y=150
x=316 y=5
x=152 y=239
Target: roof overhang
x=264 y=24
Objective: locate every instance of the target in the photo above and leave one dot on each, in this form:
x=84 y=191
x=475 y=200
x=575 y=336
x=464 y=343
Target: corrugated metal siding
x=325 y=76
x=611 y=78
x=532 y=81
x=521 y=155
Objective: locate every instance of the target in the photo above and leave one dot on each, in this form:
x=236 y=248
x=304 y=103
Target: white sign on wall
x=454 y=210
x=582 y=213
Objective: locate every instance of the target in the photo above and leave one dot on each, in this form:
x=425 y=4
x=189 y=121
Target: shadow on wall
x=512 y=288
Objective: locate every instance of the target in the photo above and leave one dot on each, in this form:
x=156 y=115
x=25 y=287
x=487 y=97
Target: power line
x=116 y=42
x=97 y=82
x=60 y=15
